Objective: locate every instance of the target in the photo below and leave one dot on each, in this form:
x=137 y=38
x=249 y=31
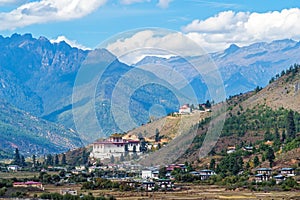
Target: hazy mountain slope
x=282 y=93
x=32 y=135
x=45 y=72
x=242 y=68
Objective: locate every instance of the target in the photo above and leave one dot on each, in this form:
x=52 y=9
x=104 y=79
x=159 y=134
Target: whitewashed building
x=114 y=146
x=150 y=173
x=185 y=109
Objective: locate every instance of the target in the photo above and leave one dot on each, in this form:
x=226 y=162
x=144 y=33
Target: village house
x=263 y=174
x=148 y=185
x=164 y=184
x=267 y=171
x=262 y=177
x=248 y=148
x=32 y=184
x=114 y=146
x=206 y=173
x=172 y=167
x=279 y=178
x=230 y=149
x=287 y=172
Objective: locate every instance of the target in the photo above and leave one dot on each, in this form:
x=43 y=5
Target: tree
x=56 y=160
x=17 y=157
x=157 y=138
x=63 y=159
x=270 y=156
x=291 y=128
x=85 y=157
x=122 y=159
x=256 y=161
x=212 y=164
x=283 y=136
x=162 y=172
x=33 y=160
x=143 y=145
x=23 y=163
x=112 y=159
x=49 y=160
x=208 y=104
x=126 y=150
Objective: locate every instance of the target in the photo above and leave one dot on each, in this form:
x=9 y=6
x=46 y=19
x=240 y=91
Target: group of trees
x=48 y=160
x=55 y=161
x=293 y=70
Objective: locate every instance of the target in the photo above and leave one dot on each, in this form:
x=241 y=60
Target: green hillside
x=32 y=135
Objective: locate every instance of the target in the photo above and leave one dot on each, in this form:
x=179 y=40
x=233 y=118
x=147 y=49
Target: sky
x=214 y=25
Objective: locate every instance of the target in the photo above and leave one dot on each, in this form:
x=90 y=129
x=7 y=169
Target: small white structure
x=13 y=168
x=114 y=146
x=150 y=173
x=68 y=191
x=185 y=109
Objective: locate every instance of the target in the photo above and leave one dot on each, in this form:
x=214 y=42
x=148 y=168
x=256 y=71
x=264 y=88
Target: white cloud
x=163 y=3
x=72 y=43
x=150 y=42
x=47 y=10
x=243 y=28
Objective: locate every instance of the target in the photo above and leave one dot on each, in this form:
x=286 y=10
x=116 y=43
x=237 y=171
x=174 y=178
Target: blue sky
x=213 y=24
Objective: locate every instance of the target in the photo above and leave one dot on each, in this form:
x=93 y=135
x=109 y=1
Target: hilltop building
x=114 y=146
x=185 y=109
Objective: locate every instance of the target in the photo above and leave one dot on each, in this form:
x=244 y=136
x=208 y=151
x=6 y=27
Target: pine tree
x=291 y=128
x=283 y=136
x=157 y=135
x=23 y=163
x=112 y=159
x=256 y=161
x=33 y=160
x=126 y=150
x=17 y=158
x=270 y=156
x=212 y=164
x=56 y=160
x=122 y=158
x=49 y=160
x=63 y=159
x=85 y=157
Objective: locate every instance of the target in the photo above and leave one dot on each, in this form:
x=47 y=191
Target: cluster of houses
x=266 y=174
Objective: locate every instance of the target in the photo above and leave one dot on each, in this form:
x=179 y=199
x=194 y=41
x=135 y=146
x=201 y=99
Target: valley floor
x=187 y=192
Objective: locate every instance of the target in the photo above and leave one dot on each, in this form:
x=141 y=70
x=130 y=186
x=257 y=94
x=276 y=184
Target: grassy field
x=22 y=174
x=188 y=192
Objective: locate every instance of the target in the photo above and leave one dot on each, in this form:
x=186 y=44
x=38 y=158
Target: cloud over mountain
x=243 y=28
x=72 y=43
x=47 y=10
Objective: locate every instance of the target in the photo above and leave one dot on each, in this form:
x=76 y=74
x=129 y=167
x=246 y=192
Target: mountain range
x=37 y=79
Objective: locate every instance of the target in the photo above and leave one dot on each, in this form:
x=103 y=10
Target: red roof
x=27 y=183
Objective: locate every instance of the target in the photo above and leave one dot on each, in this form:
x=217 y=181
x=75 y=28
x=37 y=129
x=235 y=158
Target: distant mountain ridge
x=242 y=68
x=38 y=77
